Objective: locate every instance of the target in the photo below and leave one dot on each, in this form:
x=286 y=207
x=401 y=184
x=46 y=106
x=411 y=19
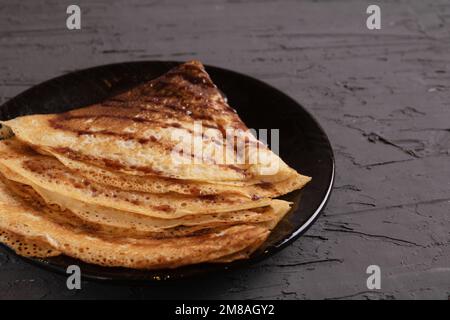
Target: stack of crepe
x=102 y=183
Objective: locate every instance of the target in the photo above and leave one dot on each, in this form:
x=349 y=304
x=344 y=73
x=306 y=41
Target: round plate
x=302 y=144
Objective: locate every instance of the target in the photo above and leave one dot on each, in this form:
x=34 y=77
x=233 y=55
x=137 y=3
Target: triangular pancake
x=155 y=184
x=104 y=217
x=116 y=223
x=106 y=184
x=19 y=217
x=13 y=149
x=42 y=172
x=136 y=133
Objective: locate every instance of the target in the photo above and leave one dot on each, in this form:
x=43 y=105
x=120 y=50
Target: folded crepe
x=136 y=133
x=133 y=182
x=65 y=234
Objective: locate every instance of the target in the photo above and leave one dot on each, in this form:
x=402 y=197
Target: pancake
x=26 y=248
x=21 y=218
x=144 y=224
x=121 y=219
x=42 y=249
x=115 y=222
x=154 y=184
x=47 y=173
x=280 y=208
x=243 y=254
x=140 y=132
x=163 y=175
x=12 y=148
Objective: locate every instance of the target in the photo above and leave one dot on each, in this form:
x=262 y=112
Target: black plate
x=303 y=145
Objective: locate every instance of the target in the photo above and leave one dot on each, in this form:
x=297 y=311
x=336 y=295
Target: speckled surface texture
x=382 y=96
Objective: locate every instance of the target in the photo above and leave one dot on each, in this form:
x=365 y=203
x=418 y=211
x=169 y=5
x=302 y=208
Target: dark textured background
x=382 y=96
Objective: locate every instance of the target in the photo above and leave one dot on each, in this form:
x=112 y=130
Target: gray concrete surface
x=382 y=96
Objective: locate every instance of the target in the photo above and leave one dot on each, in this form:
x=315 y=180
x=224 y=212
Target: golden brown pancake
x=49 y=174
x=12 y=150
x=25 y=247
x=117 y=220
x=136 y=133
x=22 y=218
x=107 y=184
x=154 y=184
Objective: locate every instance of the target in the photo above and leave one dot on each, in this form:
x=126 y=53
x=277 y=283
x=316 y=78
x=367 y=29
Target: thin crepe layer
x=154 y=184
x=19 y=217
x=137 y=132
x=12 y=148
x=121 y=219
x=112 y=227
x=25 y=247
x=48 y=173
